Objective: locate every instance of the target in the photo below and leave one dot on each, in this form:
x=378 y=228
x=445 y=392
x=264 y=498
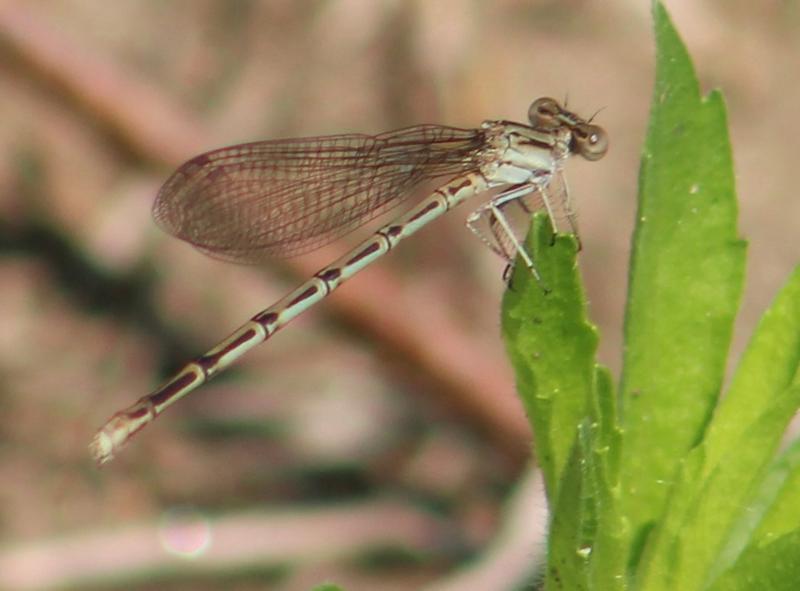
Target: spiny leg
x=572 y=215
x=504 y=240
x=495 y=243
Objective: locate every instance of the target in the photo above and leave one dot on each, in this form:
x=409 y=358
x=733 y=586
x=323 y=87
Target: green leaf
x=686 y=276
x=726 y=490
x=769 y=365
x=551 y=346
x=573 y=524
x=572 y=406
x=772 y=512
x=609 y=546
x=780 y=493
x=705 y=526
x=774 y=566
x=587 y=536
x=703 y=510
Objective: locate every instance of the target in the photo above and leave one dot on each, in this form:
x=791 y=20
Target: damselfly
x=249 y=202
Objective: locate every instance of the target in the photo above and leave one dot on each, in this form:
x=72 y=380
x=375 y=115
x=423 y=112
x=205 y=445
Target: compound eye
x=590 y=141
x=544 y=112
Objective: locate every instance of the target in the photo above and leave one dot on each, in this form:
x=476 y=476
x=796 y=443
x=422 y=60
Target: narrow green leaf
x=573 y=515
x=604 y=412
x=703 y=511
x=657 y=567
x=587 y=537
x=773 y=510
x=706 y=525
x=610 y=543
x=774 y=566
x=686 y=277
x=767 y=368
x=781 y=493
x=551 y=346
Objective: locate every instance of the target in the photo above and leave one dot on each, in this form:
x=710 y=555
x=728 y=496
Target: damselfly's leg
x=504 y=240
x=493 y=243
x=496 y=242
x=572 y=214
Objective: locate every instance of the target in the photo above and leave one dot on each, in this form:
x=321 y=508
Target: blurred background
x=377 y=442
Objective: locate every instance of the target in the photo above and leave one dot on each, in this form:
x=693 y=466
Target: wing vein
x=249 y=202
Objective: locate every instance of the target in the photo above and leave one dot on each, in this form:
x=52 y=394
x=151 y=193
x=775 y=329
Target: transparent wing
x=249 y=202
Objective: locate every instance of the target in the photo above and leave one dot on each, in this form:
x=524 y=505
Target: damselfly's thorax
x=516 y=153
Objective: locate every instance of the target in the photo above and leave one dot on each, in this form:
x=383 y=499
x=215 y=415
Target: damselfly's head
x=588 y=140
